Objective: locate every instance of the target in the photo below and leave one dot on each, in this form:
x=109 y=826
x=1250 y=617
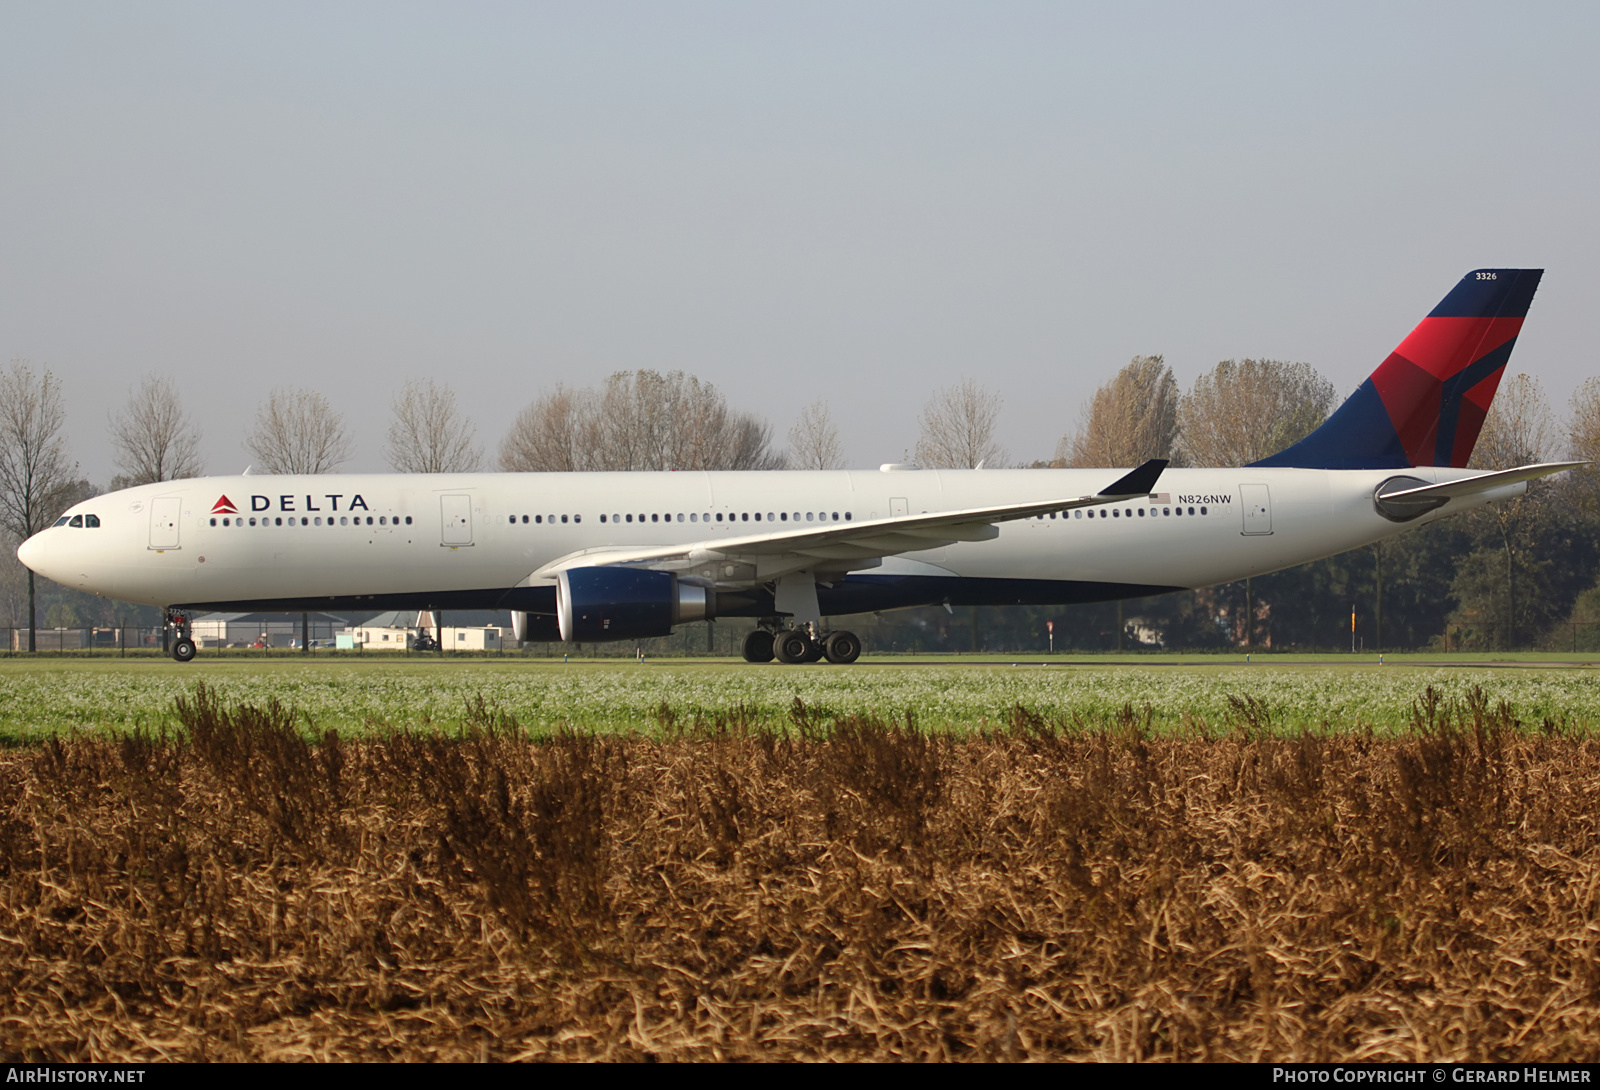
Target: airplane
x=618 y=556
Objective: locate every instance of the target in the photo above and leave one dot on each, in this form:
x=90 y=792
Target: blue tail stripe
x=1455 y=388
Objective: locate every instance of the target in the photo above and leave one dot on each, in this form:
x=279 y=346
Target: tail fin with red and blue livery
x=1426 y=403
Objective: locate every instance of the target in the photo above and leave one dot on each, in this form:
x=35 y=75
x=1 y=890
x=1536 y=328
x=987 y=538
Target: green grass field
x=40 y=697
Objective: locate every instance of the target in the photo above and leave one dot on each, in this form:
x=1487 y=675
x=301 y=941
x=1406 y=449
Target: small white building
x=399 y=631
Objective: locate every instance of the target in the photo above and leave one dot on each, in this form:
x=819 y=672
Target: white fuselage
x=261 y=539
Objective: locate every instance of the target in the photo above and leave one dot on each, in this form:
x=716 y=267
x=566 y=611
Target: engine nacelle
x=534 y=626
x=598 y=604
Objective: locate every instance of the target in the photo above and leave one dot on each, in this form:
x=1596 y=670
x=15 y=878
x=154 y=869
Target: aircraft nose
x=29 y=552
x=36 y=557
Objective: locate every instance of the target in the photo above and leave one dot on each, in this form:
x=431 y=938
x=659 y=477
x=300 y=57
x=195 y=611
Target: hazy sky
x=859 y=202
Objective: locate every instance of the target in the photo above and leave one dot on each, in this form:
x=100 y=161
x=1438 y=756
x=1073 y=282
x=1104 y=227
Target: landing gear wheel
x=813 y=652
x=757 y=646
x=792 y=646
x=183 y=650
x=842 y=648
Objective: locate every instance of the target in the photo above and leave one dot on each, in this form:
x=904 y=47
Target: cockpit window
x=77 y=520
x=62 y=521
x=91 y=521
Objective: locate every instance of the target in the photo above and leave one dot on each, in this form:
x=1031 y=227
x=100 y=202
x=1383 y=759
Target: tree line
x=1513 y=574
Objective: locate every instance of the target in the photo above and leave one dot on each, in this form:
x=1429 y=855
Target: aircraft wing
x=1471 y=486
x=848 y=544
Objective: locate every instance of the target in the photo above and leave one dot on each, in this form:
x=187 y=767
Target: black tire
x=183 y=650
x=842 y=648
x=792 y=646
x=757 y=646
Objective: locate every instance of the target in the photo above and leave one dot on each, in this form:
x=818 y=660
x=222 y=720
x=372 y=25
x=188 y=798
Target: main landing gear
x=796 y=645
x=182 y=648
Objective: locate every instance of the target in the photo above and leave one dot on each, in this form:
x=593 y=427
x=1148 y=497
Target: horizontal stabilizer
x=1484 y=482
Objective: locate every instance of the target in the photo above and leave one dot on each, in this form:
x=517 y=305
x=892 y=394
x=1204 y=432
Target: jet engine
x=534 y=626
x=626 y=603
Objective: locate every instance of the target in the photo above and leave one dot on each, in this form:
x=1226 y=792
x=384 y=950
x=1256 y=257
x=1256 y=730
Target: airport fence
x=721 y=639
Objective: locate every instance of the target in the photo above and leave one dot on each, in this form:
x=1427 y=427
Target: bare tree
x=1244 y=410
x=152 y=438
x=429 y=434
x=1130 y=419
x=545 y=437
x=297 y=431
x=638 y=420
x=1517 y=432
x=958 y=428
x=1583 y=444
x=814 y=441
x=35 y=476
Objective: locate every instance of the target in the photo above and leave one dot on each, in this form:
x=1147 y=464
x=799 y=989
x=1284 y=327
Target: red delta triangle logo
x=224 y=506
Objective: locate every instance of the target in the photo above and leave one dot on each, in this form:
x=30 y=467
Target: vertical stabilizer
x=1426 y=403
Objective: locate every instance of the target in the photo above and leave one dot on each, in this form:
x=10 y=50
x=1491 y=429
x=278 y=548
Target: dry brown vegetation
x=851 y=889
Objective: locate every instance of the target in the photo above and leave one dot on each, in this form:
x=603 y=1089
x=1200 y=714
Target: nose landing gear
x=182 y=648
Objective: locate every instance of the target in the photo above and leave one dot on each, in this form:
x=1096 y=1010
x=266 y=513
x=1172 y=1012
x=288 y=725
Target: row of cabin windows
x=1125 y=513
x=742 y=516
x=344 y=520
x=92 y=522
x=695 y=516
